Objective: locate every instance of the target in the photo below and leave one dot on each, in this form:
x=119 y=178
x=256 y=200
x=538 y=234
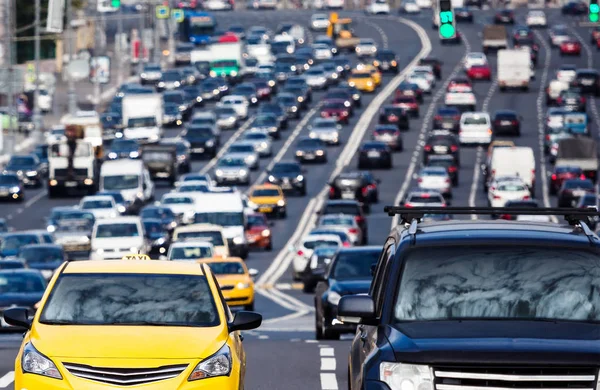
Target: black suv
x=289 y=175
x=441 y=142
x=361 y=186
x=479 y=304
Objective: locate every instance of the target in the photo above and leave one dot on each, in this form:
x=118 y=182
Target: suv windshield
x=135 y=299
x=221 y=219
x=524 y=282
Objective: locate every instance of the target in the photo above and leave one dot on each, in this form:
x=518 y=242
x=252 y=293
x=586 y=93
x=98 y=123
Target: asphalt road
x=283 y=350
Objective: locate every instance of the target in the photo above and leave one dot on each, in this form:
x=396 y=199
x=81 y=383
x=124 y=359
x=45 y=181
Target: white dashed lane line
x=328 y=365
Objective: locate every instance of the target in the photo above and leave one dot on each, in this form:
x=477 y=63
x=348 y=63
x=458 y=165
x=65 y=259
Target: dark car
x=161 y=162
x=588 y=81
x=505 y=16
x=338 y=94
x=11 y=187
x=572 y=189
x=446 y=161
x=562 y=173
x=299 y=81
x=447 y=118
x=406 y=88
x=506 y=121
x=172 y=115
x=409 y=104
x=27 y=168
x=41 y=151
x=441 y=142
x=263 y=89
x=45 y=258
x=343 y=64
x=193 y=93
x=202 y=140
x=183 y=152
x=522 y=32
x=163 y=214
x=247 y=90
x=587 y=201
x=151 y=74
x=317 y=267
x=311 y=149
x=275 y=109
x=290 y=103
x=210 y=89
x=336 y=109
x=12 y=264
x=178 y=97
x=23 y=288
x=390 y=135
x=124 y=148
x=394 y=115
x=349 y=273
x=463 y=14
x=374 y=154
x=4 y=228
x=457 y=39
x=572 y=100
x=289 y=176
x=386 y=61
x=267 y=123
x=574 y=8
x=360 y=186
x=348 y=207
x=300 y=93
x=428 y=316
x=191 y=75
x=355 y=93
x=435 y=63
x=171 y=79
x=157 y=235
x=11 y=243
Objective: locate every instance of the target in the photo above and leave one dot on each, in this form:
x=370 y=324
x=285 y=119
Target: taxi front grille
x=125 y=376
x=224 y=288
x=515 y=378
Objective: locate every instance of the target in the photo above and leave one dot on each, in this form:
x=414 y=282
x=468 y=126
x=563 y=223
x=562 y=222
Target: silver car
x=325 y=129
x=261 y=141
x=227 y=117
x=316 y=78
x=246 y=151
x=424 y=198
x=343 y=222
x=232 y=169
x=435 y=179
x=366 y=48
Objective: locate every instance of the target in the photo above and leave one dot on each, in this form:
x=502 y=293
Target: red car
x=408 y=103
x=258 y=232
x=460 y=85
x=563 y=173
x=479 y=72
x=595 y=34
x=336 y=109
x=570 y=47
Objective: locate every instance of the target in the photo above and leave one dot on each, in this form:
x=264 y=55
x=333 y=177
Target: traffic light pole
x=37 y=117
x=121 y=54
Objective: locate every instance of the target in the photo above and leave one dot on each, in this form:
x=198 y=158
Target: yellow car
x=235 y=280
x=362 y=80
x=374 y=72
x=268 y=199
x=148 y=325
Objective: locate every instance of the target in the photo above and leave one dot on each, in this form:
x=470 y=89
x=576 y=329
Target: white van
x=515 y=161
x=226 y=210
x=113 y=238
x=203 y=232
x=130 y=177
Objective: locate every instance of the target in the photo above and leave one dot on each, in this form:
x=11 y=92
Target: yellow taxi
x=373 y=70
x=235 y=279
x=362 y=80
x=268 y=199
x=152 y=325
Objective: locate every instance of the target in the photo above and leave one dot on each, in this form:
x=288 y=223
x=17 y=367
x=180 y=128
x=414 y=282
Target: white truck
x=514 y=69
x=262 y=53
x=227 y=57
x=201 y=54
x=143 y=117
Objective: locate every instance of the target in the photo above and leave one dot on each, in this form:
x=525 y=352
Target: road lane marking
x=540 y=116
x=384 y=37
x=425 y=129
x=328 y=381
x=477 y=168
x=223 y=149
x=328 y=364
x=7 y=379
x=37 y=197
x=326 y=351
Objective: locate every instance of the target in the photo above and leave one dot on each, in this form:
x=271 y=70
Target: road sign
x=162 y=12
x=177 y=14
x=447 y=21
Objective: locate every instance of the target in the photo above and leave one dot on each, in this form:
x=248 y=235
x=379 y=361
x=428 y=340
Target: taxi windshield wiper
x=148 y=323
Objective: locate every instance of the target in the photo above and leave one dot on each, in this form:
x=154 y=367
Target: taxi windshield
x=265 y=192
x=131 y=299
x=227 y=268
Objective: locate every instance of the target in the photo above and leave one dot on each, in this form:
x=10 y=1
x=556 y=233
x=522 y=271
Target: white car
x=319 y=22
x=424 y=198
x=182 y=205
x=190 y=251
x=436 y=179
x=421 y=79
x=410 y=7
x=316 y=78
x=475 y=128
x=45 y=100
x=239 y=103
x=463 y=100
x=322 y=51
x=475 y=59
x=426 y=70
x=566 y=73
x=116 y=237
x=504 y=191
x=245 y=150
x=102 y=206
x=193 y=187
x=424 y=4
x=366 y=48
x=304 y=250
x=345 y=223
x=536 y=19
x=261 y=141
x=378 y=7
x=217 y=5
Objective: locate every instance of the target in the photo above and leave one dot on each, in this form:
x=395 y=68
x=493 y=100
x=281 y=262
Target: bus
x=197 y=27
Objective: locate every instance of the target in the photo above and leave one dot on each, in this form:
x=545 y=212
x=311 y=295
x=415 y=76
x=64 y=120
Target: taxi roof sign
x=136 y=256
x=162 y=12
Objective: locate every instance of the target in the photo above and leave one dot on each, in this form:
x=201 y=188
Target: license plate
x=198 y=150
x=265 y=209
x=3 y=193
x=447 y=125
x=587 y=82
x=286 y=186
x=505 y=123
x=579 y=193
x=347 y=195
x=373 y=154
x=385 y=66
x=440 y=149
x=309 y=156
x=71 y=184
x=393 y=118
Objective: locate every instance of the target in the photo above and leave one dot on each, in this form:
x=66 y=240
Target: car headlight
x=31 y=173
x=370 y=83
x=406 y=376
x=218 y=364
x=143 y=75
x=271 y=178
x=213 y=73
x=51 y=228
x=281 y=203
x=161 y=84
x=176 y=83
x=134 y=249
x=160 y=241
x=210 y=143
x=219 y=172
x=312 y=134
x=15 y=189
x=293 y=68
x=320 y=152
x=134 y=154
x=265 y=233
x=300 y=99
x=352 y=84
x=334 y=299
x=238 y=240
x=299 y=177
x=34 y=362
x=347 y=104
x=121 y=209
x=241 y=285
x=243 y=172
x=264 y=145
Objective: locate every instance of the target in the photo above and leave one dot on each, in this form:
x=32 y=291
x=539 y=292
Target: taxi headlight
x=334 y=299
x=265 y=233
x=241 y=285
x=218 y=364
x=238 y=240
x=406 y=376
x=34 y=362
x=281 y=203
x=370 y=83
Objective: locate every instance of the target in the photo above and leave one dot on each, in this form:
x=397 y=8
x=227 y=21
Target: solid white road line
x=540 y=119
x=7 y=379
x=477 y=168
x=424 y=130
x=224 y=147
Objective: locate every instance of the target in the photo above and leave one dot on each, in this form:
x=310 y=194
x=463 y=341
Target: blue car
x=46 y=258
x=576 y=123
x=20 y=287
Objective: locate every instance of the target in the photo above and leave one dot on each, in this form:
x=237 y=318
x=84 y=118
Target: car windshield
x=310 y=143
x=286 y=168
x=124 y=145
x=512 y=187
x=96 y=204
x=23 y=161
x=231 y=162
x=337 y=221
x=433 y=172
x=158 y=213
x=193 y=252
x=313 y=244
x=9 y=180
x=256 y=136
x=241 y=149
x=176 y=98
x=41 y=255
x=131 y=299
x=520 y=283
x=16 y=241
x=109 y=230
x=194 y=188
x=425 y=199
x=256 y=220
x=120 y=182
x=328 y=124
x=354 y=265
x=214 y=237
x=221 y=219
x=177 y=200
x=227 y=268
x=20 y=283
x=342 y=208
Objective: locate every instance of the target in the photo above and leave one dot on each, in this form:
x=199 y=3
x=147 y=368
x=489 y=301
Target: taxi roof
x=133 y=267
x=266 y=186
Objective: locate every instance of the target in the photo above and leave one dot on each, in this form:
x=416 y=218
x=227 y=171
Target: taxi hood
x=266 y=199
x=127 y=342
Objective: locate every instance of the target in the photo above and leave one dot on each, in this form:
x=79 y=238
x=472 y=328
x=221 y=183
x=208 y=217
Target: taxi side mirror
x=17 y=316
x=244 y=320
x=253 y=272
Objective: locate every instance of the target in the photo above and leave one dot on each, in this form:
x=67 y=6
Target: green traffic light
x=594 y=8
x=447 y=30
x=594 y=18
x=115 y=3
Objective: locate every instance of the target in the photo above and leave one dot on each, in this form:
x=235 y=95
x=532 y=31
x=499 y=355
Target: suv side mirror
x=17 y=316
x=354 y=309
x=245 y=320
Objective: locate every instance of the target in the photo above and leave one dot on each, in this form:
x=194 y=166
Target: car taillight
x=515 y=122
x=559 y=100
x=427 y=148
x=496 y=196
x=452 y=169
x=533 y=172
x=448 y=180
x=331 y=191
x=437 y=118
x=453 y=148
x=547 y=137
x=300 y=253
x=353 y=230
x=582 y=99
x=553 y=177
x=408 y=205
x=582 y=177
x=365 y=190
x=493 y=172
x=359 y=219
x=456 y=117
x=346 y=244
x=526 y=197
x=419 y=180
